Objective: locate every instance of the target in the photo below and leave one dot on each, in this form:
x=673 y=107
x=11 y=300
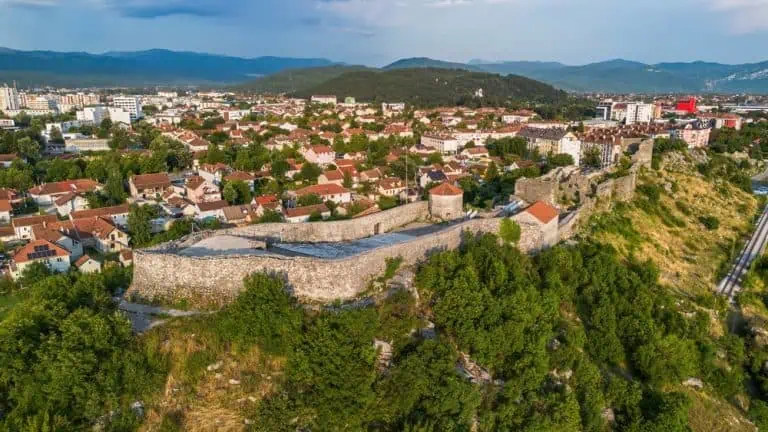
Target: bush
x=710 y=222
x=509 y=231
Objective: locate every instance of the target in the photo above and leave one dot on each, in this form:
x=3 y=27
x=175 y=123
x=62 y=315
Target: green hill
x=425 y=62
x=291 y=81
x=431 y=87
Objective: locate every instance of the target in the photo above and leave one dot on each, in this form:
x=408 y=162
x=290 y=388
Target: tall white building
x=41 y=103
x=639 y=113
x=9 y=98
x=119 y=115
x=94 y=115
x=129 y=104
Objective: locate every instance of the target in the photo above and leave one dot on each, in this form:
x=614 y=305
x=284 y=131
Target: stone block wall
x=532 y=190
x=218 y=280
x=318 y=232
x=624 y=187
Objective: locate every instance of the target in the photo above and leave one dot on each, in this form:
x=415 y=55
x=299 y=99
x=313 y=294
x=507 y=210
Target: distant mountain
x=294 y=80
x=622 y=76
x=430 y=87
x=152 y=67
x=424 y=62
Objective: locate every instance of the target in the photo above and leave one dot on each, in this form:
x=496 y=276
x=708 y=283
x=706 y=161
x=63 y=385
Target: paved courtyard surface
x=342 y=250
x=222 y=245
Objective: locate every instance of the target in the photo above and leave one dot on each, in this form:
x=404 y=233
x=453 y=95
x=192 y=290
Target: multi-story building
x=9 y=98
x=120 y=115
x=639 y=113
x=325 y=100
x=553 y=141
x=129 y=104
x=610 y=152
x=443 y=143
x=694 y=137
x=79 y=100
x=41 y=103
x=93 y=115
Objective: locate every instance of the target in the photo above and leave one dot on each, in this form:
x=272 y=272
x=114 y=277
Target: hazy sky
x=376 y=32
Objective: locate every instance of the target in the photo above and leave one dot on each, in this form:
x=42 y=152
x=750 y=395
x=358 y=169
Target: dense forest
x=426 y=87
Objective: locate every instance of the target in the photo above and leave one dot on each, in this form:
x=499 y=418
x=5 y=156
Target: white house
x=319 y=154
x=326 y=192
x=87 y=264
x=444 y=143
x=55 y=257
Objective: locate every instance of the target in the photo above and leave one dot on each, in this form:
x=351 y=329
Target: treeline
x=426 y=88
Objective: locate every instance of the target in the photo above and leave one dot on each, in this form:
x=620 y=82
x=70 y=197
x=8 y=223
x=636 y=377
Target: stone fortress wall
x=162 y=273
x=218 y=280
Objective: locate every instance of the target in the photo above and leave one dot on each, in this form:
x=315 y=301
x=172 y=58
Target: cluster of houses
x=71 y=236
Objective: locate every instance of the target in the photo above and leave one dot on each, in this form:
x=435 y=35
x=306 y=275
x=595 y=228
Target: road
x=731 y=285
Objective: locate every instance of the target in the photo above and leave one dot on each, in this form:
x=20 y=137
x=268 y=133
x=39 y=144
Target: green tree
x=509 y=231
x=310 y=172
x=561 y=160
x=309 y=199
x=140 y=225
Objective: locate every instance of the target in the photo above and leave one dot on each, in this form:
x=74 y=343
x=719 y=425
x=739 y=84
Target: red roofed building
x=545 y=217
x=47 y=193
x=148 y=186
x=326 y=192
x=319 y=154
x=55 y=257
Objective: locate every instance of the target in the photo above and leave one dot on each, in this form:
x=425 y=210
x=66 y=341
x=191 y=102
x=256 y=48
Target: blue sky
x=376 y=32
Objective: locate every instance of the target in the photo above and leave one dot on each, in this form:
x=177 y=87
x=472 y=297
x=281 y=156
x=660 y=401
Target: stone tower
x=446 y=202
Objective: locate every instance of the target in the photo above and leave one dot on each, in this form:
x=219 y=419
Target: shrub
x=710 y=222
x=509 y=231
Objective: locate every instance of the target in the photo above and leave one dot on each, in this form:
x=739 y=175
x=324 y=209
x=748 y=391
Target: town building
x=440 y=142
x=553 y=141
x=693 y=136
x=129 y=104
x=47 y=193
x=326 y=192
x=446 y=202
x=55 y=258
x=148 y=186
x=303 y=214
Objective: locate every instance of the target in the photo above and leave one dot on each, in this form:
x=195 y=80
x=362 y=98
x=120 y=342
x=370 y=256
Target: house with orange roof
x=47 y=193
x=326 y=192
x=303 y=214
x=199 y=189
x=54 y=257
x=6 y=210
x=318 y=154
x=545 y=217
x=148 y=186
x=86 y=264
x=23 y=226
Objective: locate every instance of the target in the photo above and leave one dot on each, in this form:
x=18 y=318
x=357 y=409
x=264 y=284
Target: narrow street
x=731 y=285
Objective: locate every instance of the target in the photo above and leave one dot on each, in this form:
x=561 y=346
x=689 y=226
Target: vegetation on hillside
x=291 y=80
x=425 y=87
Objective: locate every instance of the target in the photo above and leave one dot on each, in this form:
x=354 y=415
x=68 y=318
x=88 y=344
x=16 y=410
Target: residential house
x=87 y=264
x=98 y=233
x=11 y=195
x=475 y=153
x=6 y=211
x=148 y=186
x=6 y=160
x=54 y=257
x=390 y=187
x=73 y=201
x=242 y=176
x=67 y=240
x=371 y=175
x=319 y=154
x=332 y=177
x=268 y=202
x=242 y=214
x=126 y=257
x=210 y=210
x=303 y=214
x=432 y=176
x=23 y=226
x=118 y=214
x=200 y=190
x=326 y=192
x=47 y=193
x=214 y=173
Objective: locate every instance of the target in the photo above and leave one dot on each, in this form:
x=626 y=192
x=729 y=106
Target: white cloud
x=745 y=16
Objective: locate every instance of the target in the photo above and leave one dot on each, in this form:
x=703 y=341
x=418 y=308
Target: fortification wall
x=532 y=190
x=218 y=280
x=317 y=232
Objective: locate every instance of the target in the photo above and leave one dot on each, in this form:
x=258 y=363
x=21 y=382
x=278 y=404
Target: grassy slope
x=691 y=257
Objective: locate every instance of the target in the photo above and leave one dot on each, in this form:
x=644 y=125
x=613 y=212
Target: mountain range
x=287 y=74
x=152 y=67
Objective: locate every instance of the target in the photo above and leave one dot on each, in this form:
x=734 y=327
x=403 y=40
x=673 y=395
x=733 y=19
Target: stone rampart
x=317 y=232
x=218 y=280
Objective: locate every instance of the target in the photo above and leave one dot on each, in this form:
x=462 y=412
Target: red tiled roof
x=209 y=206
x=104 y=211
x=38 y=249
x=34 y=220
x=83 y=259
x=542 y=211
x=240 y=176
x=5 y=205
x=306 y=210
x=322 y=190
x=145 y=181
x=446 y=189
x=79 y=185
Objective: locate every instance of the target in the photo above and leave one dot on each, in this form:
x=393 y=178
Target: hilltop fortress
x=330 y=261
